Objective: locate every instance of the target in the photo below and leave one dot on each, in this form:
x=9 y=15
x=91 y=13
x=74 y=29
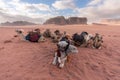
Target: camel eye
x=58 y=45
x=74 y=48
x=64 y=47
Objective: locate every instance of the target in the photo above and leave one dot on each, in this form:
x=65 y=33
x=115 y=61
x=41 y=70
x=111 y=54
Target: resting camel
x=30 y=35
x=47 y=33
x=82 y=39
x=56 y=36
x=20 y=33
x=61 y=55
x=97 y=41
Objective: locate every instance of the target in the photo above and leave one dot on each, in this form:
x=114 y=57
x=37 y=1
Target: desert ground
x=21 y=60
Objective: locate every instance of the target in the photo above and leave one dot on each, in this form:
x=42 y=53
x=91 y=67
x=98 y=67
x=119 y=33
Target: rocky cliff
x=77 y=20
x=17 y=23
x=110 y=21
x=60 y=20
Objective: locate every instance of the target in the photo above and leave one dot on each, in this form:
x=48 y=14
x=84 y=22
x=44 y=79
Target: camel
x=23 y=37
x=97 y=41
x=56 y=36
x=83 y=39
x=20 y=34
x=61 y=55
x=47 y=33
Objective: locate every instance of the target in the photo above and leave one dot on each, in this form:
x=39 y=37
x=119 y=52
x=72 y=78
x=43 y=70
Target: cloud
x=99 y=9
x=64 y=4
x=11 y=18
x=12 y=10
x=94 y=2
x=16 y=0
x=40 y=6
x=27 y=6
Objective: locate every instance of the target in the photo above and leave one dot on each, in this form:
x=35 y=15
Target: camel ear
x=57 y=45
x=102 y=37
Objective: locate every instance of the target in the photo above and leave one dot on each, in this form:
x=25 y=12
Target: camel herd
x=66 y=44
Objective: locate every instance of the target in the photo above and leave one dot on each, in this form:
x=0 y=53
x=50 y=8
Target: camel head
x=62 y=45
x=19 y=31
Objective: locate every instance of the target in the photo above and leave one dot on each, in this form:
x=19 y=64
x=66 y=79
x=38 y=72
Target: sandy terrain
x=20 y=60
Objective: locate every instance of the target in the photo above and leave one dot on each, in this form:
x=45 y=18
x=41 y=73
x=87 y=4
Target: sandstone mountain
x=17 y=23
x=60 y=20
x=77 y=20
x=110 y=21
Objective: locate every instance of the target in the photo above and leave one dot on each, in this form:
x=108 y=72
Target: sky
x=38 y=11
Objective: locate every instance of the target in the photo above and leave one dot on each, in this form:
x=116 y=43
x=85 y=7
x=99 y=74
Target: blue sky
x=40 y=10
x=49 y=2
x=79 y=3
x=65 y=12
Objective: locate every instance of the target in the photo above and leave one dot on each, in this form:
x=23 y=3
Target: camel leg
x=55 y=59
x=100 y=47
x=63 y=62
x=41 y=39
x=21 y=36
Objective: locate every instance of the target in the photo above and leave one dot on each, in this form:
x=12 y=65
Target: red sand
x=21 y=60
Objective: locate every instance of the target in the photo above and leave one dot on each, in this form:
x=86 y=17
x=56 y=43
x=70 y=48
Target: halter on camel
x=61 y=55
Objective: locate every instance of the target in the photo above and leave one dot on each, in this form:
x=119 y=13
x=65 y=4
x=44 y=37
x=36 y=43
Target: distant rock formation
x=110 y=21
x=17 y=23
x=60 y=20
x=77 y=20
x=99 y=24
